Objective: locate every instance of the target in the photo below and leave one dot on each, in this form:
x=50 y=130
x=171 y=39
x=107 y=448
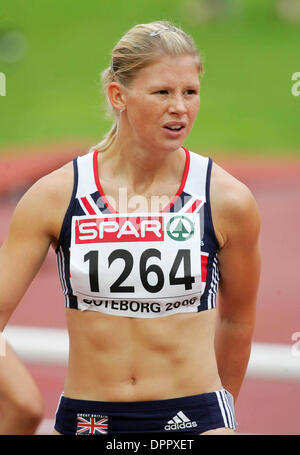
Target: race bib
x=137 y=265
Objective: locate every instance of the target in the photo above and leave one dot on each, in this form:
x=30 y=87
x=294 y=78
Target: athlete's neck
x=142 y=169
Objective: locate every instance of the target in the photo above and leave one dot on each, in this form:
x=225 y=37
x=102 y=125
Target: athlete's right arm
x=23 y=251
x=33 y=228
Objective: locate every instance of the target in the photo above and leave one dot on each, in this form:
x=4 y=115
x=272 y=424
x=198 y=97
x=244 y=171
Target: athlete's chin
x=170 y=146
x=161 y=146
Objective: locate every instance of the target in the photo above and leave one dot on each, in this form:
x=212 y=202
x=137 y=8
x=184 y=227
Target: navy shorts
x=192 y=414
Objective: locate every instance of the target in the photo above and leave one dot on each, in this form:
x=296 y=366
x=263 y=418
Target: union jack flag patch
x=91 y=424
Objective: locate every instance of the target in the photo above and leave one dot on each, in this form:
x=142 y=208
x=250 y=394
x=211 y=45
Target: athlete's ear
x=116 y=95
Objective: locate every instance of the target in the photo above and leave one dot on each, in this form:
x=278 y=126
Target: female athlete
x=146 y=232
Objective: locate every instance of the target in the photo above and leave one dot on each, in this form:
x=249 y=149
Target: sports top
x=141 y=265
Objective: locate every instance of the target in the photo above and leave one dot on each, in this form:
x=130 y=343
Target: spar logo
x=180 y=228
x=119 y=229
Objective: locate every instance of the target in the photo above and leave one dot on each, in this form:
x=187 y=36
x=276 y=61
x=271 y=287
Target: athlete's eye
x=162 y=92
x=190 y=92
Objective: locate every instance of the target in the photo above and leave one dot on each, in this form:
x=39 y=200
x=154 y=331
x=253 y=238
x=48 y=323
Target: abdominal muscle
x=115 y=358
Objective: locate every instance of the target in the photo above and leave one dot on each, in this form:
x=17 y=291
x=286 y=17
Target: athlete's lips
x=174 y=125
x=174 y=129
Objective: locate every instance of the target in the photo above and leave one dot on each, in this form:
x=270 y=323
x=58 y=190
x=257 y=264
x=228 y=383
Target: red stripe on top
x=168 y=206
x=183 y=181
x=98 y=184
x=203 y=267
x=194 y=206
x=88 y=206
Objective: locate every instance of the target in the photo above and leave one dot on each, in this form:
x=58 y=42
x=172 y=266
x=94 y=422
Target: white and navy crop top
x=141 y=265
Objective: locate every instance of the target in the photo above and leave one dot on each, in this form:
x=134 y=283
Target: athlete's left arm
x=239 y=265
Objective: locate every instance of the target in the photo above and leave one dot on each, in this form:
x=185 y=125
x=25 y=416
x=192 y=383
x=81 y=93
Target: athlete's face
x=162 y=103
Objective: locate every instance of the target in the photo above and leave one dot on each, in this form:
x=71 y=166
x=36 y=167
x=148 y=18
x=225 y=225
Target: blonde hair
x=140 y=46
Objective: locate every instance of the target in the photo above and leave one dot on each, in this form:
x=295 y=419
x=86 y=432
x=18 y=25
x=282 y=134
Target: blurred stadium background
x=52 y=53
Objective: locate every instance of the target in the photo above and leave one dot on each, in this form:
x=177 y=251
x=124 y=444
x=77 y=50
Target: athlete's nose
x=177 y=105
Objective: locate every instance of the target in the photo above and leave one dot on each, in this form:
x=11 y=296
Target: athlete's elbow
x=239 y=332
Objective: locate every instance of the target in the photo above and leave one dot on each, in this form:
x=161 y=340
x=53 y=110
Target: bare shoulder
x=229 y=191
x=51 y=188
x=48 y=198
x=56 y=186
x=234 y=208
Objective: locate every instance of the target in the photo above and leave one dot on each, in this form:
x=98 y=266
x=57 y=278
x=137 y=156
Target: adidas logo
x=179 y=422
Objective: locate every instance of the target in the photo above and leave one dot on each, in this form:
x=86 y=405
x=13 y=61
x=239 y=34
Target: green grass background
x=53 y=93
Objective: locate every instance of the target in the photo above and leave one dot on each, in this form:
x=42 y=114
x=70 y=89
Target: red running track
x=263 y=407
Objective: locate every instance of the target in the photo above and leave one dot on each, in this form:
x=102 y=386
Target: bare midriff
x=115 y=358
